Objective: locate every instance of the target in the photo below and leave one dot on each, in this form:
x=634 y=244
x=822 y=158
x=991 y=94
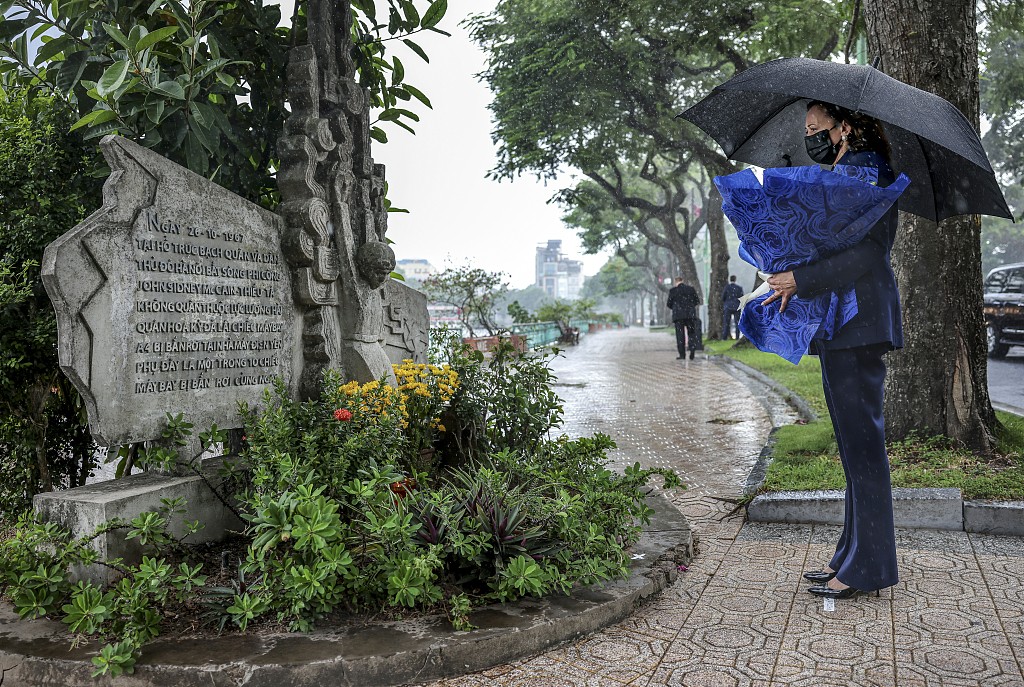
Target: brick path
x=740 y=615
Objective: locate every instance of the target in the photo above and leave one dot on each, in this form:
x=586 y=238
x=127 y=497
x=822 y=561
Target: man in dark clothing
x=683 y=301
x=731 y=308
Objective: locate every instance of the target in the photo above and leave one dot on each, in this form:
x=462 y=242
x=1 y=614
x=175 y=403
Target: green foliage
x=472 y=290
x=1001 y=36
x=519 y=314
x=806 y=456
x=43 y=441
x=15 y=286
x=202 y=83
x=504 y=401
x=340 y=519
x=35 y=565
x=594 y=88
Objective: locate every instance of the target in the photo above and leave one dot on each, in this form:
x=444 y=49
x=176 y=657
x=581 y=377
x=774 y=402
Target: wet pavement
x=740 y=615
x=1006 y=381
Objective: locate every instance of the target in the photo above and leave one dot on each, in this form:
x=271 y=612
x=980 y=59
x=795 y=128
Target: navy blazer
x=868 y=268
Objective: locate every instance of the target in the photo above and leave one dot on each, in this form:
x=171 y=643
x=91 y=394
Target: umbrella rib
x=764 y=121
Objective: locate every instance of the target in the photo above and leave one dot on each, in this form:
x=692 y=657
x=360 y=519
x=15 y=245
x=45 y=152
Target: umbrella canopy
x=797 y=216
x=758 y=117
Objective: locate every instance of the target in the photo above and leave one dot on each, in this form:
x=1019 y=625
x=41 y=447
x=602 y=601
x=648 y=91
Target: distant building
x=559 y=276
x=415 y=271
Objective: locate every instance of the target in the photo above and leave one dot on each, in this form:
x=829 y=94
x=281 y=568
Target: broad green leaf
x=416 y=49
x=70 y=70
x=112 y=78
x=116 y=34
x=398 y=71
x=155 y=111
x=226 y=79
x=412 y=16
x=407 y=113
x=195 y=156
x=418 y=94
x=378 y=135
x=99 y=130
x=137 y=33
x=51 y=48
x=9 y=28
x=171 y=89
x=93 y=118
x=155 y=37
x=40 y=30
x=197 y=116
x=405 y=126
x=208 y=68
x=435 y=13
x=152 y=138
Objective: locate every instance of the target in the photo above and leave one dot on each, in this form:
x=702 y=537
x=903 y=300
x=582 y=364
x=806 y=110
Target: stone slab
x=37 y=653
x=83 y=509
x=938 y=509
x=995 y=517
x=174 y=297
x=406 y=323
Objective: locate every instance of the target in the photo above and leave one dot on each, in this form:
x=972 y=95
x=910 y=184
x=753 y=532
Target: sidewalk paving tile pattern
x=740 y=615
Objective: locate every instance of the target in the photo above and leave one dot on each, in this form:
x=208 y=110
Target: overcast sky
x=457 y=216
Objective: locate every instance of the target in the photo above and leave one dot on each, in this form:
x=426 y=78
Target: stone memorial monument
x=180 y=297
x=174 y=297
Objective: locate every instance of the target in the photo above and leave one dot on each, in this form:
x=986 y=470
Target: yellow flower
x=441 y=428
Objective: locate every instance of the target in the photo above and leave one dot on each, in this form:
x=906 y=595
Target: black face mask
x=821 y=148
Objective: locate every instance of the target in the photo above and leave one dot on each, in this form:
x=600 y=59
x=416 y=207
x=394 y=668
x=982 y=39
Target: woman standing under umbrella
x=852 y=369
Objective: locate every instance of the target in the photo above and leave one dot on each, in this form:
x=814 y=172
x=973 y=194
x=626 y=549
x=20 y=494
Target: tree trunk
x=938 y=384
x=719 y=264
x=39 y=422
x=660 y=311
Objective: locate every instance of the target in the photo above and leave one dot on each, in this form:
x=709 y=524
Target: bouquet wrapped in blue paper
x=795 y=217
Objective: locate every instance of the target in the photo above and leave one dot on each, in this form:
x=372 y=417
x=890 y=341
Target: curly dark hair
x=866 y=132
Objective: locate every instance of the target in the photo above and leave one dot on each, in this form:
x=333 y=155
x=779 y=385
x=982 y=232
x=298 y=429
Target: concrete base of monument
x=361 y=653
x=83 y=509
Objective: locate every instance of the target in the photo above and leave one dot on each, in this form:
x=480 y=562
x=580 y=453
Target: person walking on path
x=852 y=369
x=731 y=308
x=683 y=301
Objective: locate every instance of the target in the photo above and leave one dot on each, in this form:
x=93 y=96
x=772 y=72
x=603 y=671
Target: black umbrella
x=758 y=117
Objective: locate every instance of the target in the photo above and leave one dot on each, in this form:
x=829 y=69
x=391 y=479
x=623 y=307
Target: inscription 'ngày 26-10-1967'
x=207 y=312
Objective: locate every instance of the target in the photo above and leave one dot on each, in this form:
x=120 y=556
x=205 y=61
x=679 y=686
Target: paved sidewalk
x=740 y=615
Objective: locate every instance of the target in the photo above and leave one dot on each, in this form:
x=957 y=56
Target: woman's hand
x=784 y=286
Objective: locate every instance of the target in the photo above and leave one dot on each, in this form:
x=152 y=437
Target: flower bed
x=441 y=494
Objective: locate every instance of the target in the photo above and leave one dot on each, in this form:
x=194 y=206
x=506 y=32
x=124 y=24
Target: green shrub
x=343 y=517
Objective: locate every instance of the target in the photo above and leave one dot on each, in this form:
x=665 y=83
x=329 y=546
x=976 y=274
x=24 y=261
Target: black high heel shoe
x=819 y=576
x=829 y=593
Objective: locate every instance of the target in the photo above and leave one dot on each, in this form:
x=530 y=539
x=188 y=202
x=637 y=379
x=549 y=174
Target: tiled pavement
x=740 y=615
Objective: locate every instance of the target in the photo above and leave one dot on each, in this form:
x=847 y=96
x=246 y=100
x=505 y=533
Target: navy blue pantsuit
x=853 y=381
x=853 y=378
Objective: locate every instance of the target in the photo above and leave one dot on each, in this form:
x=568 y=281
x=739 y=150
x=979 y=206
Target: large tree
x=595 y=87
x=1002 y=104
x=938 y=384
x=474 y=292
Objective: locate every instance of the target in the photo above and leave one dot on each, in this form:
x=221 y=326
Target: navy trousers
x=688 y=333
x=728 y=317
x=853 y=380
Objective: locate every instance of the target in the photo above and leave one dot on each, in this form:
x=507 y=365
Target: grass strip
x=806 y=457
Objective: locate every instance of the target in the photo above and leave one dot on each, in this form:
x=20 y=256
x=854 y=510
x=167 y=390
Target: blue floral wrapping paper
x=795 y=217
